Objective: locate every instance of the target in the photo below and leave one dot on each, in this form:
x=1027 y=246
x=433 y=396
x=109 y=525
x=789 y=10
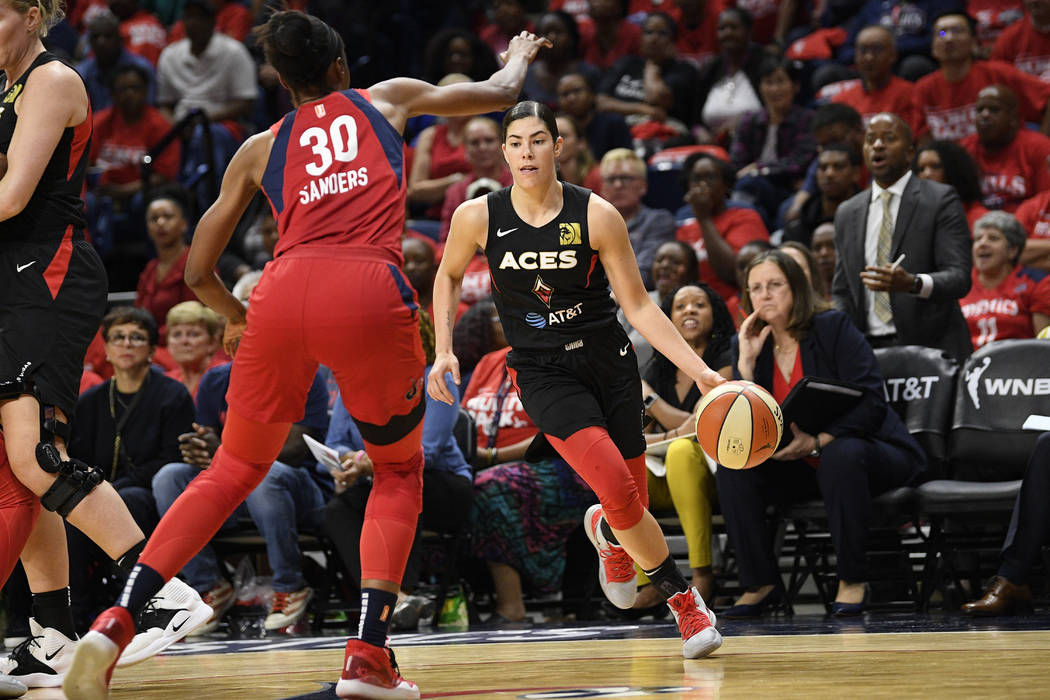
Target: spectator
x=729 y=83
x=555 y=61
x=143 y=34
x=439 y=159
x=944 y=99
x=901 y=215
x=773 y=147
x=805 y=259
x=910 y=24
x=508 y=20
x=716 y=231
x=992 y=17
x=419 y=267
x=475 y=335
x=823 y=247
x=1026 y=43
x=697 y=35
x=655 y=85
x=607 y=34
x=671 y=398
x=232 y=18
x=1006 y=300
x=488 y=169
x=107 y=55
x=948 y=163
x=1034 y=216
x=879 y=90
x=788 y=335
x=575 y=162
x=624 y=183
x=838 y=174
x=1012 y=161
x=161 y=285
x=602 y=130
x=194 y=337
x=457 y=51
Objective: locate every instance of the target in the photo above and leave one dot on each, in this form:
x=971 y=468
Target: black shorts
x=53 y=297
x=593 y=381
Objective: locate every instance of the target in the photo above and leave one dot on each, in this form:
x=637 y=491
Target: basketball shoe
x=696 y=623
x=615 y=567
x=96 y=655
x=288 y=608
x=166 y=618
x=371 y=672
x=41 y=661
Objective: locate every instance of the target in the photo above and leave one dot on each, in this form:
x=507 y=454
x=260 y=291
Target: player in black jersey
x=554 y=249
x=53 y=291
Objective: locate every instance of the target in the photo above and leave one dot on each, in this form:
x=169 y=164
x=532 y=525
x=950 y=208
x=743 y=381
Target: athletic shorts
x=52 y=298
x=592 y=381
x=355 y=314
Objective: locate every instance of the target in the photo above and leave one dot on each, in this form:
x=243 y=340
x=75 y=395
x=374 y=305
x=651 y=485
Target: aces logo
x=570 y=234
x=543 y=290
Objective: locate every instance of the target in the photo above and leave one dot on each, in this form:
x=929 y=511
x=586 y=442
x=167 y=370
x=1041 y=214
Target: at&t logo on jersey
x=539 y=260
x=554 y=317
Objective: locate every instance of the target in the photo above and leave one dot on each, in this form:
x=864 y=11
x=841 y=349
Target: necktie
x=882 y=257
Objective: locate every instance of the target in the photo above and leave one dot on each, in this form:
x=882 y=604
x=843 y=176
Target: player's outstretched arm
x=609 y=237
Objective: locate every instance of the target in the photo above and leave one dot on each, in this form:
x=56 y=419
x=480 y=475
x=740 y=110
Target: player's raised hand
x=525 y=44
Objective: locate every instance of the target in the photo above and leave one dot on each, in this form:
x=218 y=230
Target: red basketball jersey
x=336 y=175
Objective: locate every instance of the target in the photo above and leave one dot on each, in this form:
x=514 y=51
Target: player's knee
x=624 y=510
x=74 y=480
x=397 y=489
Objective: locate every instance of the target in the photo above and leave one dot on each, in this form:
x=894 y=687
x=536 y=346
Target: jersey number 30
x=338 y=143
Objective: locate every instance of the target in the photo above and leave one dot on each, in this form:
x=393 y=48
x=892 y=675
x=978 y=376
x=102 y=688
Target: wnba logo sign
x=1002 y=386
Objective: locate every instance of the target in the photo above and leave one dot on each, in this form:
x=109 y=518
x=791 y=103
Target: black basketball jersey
x=55 y=204
x=548 y=284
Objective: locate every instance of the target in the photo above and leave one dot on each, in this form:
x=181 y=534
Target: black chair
x=999 y=386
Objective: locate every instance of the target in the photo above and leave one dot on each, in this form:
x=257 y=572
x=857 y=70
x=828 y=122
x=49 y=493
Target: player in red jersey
x=333 y=171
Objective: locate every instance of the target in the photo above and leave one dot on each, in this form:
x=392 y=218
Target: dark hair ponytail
x=301 y=47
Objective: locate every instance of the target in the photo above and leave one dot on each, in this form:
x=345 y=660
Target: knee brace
x=75 y=480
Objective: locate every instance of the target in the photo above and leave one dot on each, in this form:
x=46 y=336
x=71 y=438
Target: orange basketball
x=739 y=424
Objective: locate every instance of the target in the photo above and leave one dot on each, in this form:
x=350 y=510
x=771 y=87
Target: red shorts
x=350 y=309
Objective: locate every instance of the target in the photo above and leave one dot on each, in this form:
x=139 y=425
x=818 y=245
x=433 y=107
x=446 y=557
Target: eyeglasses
x=953 y=31
x=134 y=339
x=620 y=179
x=772 y=287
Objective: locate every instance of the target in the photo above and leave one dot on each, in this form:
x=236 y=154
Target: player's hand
x=708 y=380
x=436 y=389
x=525 y=44
x=231 y=337
x=800 y=446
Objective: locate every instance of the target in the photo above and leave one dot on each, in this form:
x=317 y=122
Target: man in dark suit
x=903 y=250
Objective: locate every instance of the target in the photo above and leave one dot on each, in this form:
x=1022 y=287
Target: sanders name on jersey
x=336 y=183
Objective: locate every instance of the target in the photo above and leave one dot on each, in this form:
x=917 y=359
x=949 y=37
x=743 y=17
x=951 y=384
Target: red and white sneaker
x=96 y=655
x=696 y=623
x=616 y=568
x=371 y=672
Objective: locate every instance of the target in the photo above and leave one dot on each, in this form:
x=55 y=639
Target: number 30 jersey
x=336 y=175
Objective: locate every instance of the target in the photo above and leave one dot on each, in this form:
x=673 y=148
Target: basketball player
x=553 y=251
x=333 y=171
x=52 y=297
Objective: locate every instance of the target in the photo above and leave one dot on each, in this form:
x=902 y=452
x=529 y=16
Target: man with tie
x=903 y=250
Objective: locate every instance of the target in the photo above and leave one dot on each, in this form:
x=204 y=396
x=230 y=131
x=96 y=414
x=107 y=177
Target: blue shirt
x=97 y=82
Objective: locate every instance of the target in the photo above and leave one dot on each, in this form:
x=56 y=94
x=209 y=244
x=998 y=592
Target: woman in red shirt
x=161 y=285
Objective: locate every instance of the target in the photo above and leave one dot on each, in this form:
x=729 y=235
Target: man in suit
x=903 y=250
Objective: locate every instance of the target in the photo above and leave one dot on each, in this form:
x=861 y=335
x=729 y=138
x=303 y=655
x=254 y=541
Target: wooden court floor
x=1014 y=664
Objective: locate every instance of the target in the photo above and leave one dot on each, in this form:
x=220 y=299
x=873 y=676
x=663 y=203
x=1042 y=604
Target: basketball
x=739 y=424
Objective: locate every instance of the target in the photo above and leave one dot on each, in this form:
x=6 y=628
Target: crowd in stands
x=718 y=130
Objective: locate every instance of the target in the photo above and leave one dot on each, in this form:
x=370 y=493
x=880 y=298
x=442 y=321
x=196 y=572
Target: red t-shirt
x=993 y=16
x=946 y=110
x=1006 y=311
x=1026 y=47
x=738 y=226
x=446 y=159
x=176 y=371
x=119 y=145
x=158 y=296
x=477 y=281
x=233 y=19
x=628 y=43
x=1034 y=215
x=1012 y=174
x=143 y=34
x=492 y=399
x=974 y=211
x=895 y=97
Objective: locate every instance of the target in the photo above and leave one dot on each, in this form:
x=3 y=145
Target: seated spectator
x=910 y=24
x=1006 y=300
x=1026 y=43
x=945 y=99
x=716 y=231
x=161 y=285
x=787 y=335
x=508 y=20
x=838 y=177
x=697 y=35
x=948 y=163
x=603 y=131
x=488 y=169
x=108 y=54
x=420 y=267
x=142 y=32
x=748 y=252
x=823 y=247
x=477 y=333
x=624 y=183
x=456 y=50
x=671 y=398
x=1034 y=216
x=606 y=34
x=1012 y=160
x=554 y=61
x=448 y=488
x=773 y=147
x=440 y=158
x=805 y=259
x=655 y=85
x=523 y=512
x=194 y=343
x=121 y=136
x=575 y=162
x=729 y=83
x=879 y=90
x=232 y=18
x=128 y=426
x=992 y=16
x=1009 y=593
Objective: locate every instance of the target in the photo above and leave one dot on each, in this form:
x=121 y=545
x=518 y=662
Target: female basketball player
x=333 y=171
x=53 y=291
x=550 y=246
